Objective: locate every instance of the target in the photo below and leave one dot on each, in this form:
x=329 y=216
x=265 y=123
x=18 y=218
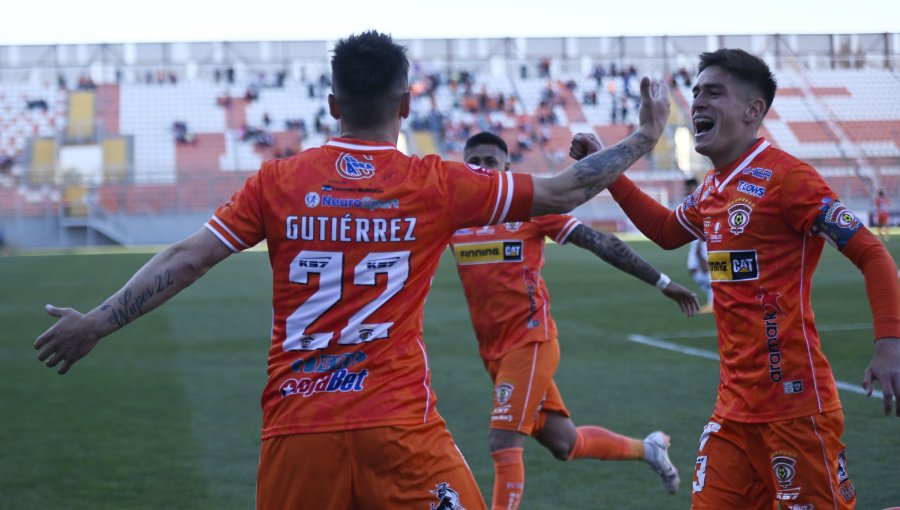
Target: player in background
x=500 y=269
x=775 y=434
x=355 y=230
x=882 y=216
x=698 y=260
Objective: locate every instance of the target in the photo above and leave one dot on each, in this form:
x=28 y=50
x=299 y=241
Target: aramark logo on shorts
x=351 y=168
x=340 y=381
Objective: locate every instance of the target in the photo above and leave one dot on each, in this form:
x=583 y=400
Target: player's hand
x=654 y=110
x=67 y=341
x=686 y=299
x=885 y=366
x=584 y=144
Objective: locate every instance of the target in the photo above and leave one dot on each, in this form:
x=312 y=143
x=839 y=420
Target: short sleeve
x=556 y=226
x=688 y=214
x=478 y=197
x=238 y=223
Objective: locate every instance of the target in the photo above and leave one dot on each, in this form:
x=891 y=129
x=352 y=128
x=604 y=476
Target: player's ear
x=405 y=101
x=506 y=167
x=755 y=110
x=333 y=107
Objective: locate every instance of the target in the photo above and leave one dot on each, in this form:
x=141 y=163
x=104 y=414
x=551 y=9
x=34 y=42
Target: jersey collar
x=741 y=162
x=359 y=145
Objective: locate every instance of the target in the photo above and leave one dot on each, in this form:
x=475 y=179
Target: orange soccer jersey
x=355 y=231
x=500 y=268
x=757 y=216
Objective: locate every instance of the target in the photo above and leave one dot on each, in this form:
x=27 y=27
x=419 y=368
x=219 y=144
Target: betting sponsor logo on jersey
x=760 y=173
x=327 y=362
x=349 y=167
x=485 y=231
x=463 y=232
x=339 y=381
x=488 y=252
x=733 y=266
x=751 y=189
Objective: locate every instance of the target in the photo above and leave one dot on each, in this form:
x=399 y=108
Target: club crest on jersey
x=739 y=216
x=513 y=226
x=351 y=168
x=783 y=467
x=448 y=499
x=503 y=393
x=480 y=170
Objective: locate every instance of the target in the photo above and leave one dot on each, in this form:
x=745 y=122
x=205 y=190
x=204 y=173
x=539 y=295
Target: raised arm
x=618 y=254
x=585 y=178
x=161 y=278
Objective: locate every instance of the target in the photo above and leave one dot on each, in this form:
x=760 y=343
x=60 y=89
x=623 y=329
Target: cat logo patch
x=733 y=266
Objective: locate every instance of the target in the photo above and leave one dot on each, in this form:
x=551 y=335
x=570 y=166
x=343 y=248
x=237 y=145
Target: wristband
x=663 y=281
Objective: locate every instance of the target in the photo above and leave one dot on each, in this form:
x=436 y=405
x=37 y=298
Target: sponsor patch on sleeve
x=732 y=266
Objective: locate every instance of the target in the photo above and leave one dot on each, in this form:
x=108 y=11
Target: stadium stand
x=178 y=141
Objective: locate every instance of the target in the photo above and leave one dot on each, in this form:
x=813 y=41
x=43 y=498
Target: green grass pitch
x=165 y=414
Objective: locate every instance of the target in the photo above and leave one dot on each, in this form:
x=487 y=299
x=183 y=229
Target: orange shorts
x=366 y=469
x=524 y=389
x=882 y=219
x=798 y=464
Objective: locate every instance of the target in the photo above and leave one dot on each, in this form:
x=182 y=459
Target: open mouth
x=702 y=125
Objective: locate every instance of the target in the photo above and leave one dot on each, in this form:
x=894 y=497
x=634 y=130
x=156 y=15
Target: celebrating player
x=355 y=230
x=500 y=268
x=775 y=433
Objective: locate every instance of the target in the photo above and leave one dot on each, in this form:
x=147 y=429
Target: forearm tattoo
x=600 y=169
x=612 y=250
x=130 y=305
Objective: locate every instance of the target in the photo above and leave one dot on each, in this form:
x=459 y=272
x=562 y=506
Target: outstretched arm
x=161 y=278
x=618 y=254
x=585 y=178
x=880 y=272
x=654 y=220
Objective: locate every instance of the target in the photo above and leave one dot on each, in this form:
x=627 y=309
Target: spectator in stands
x=6 y=164
x=85 y=82
x=266 y=120
x=182 y=135
x=224 y=100
x=36 y=104
x=882 y=216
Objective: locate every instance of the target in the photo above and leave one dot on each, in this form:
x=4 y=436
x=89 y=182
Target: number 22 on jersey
x=329 y=265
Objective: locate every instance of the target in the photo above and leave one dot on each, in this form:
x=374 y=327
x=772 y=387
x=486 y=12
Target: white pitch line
x=703 y=353
x=712 y=333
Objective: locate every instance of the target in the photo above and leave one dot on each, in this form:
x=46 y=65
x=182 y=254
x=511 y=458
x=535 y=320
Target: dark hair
x=747 y=68
x=369 y=73
x=691 y=181
x=485 y=138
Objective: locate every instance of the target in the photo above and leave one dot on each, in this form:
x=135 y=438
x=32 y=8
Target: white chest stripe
x=763 y=146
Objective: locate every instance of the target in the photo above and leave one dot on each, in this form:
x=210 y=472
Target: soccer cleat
x=656 y=453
